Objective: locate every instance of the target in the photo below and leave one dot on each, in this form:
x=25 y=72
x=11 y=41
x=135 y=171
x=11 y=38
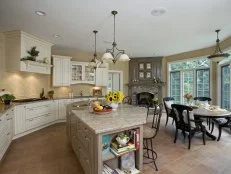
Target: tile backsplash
x=30 y=85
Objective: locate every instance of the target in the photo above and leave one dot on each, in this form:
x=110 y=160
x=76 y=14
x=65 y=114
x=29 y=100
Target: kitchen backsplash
x=29 y=85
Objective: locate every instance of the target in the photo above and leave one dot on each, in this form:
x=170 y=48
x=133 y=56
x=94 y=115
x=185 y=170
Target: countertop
x=125 y=116
x=4 y=108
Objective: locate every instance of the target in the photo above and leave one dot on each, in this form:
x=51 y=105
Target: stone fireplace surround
x=142 y=89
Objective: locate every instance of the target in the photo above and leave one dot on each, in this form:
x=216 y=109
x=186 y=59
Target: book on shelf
x=117 y=147
x=121 y=153
x=132 y=171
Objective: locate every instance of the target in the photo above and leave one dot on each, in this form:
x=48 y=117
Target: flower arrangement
x=188 y=96
x=155 y=100
x=116 y=97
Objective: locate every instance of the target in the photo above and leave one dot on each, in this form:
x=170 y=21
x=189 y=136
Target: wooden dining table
x=206 y=113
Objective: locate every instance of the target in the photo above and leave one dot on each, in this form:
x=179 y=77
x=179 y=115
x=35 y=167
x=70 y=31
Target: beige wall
x=25 y=85
x=193 y=54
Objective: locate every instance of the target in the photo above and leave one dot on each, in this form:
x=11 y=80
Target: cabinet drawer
x=84 y=136
x=84 y=159
x=38 y=121
x=38 y=111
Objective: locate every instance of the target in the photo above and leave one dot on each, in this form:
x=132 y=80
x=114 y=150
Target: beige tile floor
x=47 y=152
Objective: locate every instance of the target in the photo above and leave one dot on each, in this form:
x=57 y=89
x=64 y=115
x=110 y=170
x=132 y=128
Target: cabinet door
x=1 y=60
x=77 y=72
x=101 y=77
x=66 y=69
x=62 y=108
x=19 y=119
x=89 y=74
x=57 y=72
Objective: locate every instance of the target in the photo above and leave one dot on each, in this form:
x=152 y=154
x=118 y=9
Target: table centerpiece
x=114 y=98
x=188 y=97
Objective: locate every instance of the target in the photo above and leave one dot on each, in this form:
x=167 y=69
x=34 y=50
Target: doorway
x=115 y=81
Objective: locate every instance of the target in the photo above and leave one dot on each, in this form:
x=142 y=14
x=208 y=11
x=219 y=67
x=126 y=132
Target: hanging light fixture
x=218 y=54
x=113 y=53
x=95 y=62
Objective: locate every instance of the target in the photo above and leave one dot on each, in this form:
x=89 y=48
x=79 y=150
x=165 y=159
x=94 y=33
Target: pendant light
x=94 y=61
x=218 y=54
x=112 y=54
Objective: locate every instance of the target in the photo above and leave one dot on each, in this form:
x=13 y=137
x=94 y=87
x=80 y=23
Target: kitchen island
x=85 y=131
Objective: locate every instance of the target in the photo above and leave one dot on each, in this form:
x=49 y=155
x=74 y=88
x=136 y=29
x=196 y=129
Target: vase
x=114 y=106
x=7 y=102
x=188 y=101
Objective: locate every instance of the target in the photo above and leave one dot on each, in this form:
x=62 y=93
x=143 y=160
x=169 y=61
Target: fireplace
x=144 y=98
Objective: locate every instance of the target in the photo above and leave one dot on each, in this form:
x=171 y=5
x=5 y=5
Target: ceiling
x=186 y=25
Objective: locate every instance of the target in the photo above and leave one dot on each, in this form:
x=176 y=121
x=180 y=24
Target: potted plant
x=51 y=94
x=7 y=98
x=122 y=139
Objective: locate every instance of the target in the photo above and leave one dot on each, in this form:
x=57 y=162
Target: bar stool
x=149 y=133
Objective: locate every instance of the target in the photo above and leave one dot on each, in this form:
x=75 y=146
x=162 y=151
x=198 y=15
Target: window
x=188 y=83
x=225 y=87
x=202 y=82
x=190 y=76
x=175 y=85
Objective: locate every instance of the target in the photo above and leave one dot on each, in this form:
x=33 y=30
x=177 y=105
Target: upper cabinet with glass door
x=82 y=73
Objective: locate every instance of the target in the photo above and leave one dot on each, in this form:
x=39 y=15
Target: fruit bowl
x=105 y=110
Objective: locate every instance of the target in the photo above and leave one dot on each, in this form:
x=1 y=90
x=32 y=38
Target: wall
x=192 y=54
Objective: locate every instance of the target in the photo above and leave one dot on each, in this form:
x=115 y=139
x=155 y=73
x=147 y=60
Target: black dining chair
x=168 y=101
x=185 y=121
x=149 y=133
x=204 y=99
x=221 y=122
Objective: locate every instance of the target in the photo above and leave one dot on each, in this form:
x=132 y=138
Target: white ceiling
x=187 y=25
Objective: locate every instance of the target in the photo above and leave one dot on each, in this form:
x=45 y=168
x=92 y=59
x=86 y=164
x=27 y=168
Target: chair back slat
x=157 y=116
x=179 y=116
x=167 y=108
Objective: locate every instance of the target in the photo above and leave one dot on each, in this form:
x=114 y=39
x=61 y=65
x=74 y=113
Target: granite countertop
x=4 y=108
x=125 y=116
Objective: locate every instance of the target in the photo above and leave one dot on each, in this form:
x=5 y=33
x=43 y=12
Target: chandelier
x=95 y=62
x=113 y=53
x=218 y=54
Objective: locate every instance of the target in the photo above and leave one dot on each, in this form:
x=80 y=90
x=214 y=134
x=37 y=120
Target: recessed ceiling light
x=159 y=11
x=40 y=13
x=56 y=35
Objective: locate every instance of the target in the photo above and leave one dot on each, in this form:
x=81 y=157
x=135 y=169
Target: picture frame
x=97 y=92
x=148 y=75
x=141 y=75
x=141 y=66
x=148 y=66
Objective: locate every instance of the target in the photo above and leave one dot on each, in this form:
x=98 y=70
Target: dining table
x=202 y=112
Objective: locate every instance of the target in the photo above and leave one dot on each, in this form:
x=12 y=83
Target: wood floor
x=46 y=152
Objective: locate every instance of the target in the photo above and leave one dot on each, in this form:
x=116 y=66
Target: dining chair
x=221 y=122
x=168 y=101
x=149 y=133
x=185 y=121
x=205 y=100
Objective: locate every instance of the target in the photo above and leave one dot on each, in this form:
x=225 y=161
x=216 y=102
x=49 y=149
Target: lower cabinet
x=6 y=129
x=62 y=108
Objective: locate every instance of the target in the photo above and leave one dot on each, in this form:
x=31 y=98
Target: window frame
x=221 y=84
x=199 y=69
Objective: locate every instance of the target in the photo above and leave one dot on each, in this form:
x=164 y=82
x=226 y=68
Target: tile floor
x=47 y=152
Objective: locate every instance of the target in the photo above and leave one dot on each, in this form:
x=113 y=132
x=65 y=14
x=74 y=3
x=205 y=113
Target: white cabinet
x=82 y=73
x=19 y=119
x=101 y=77
x=1 y=55
x=62 y=108
x=38 y=114
x=61 y=70
x=17 y=43
x=6 y=129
